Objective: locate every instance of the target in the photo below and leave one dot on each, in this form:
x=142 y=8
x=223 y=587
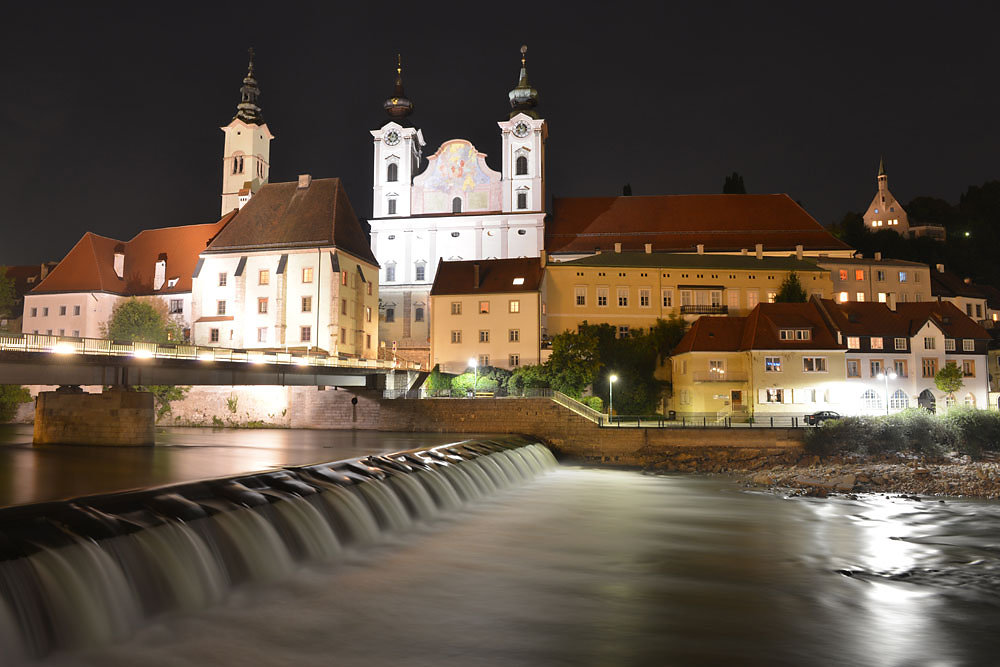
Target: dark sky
x=111 y=113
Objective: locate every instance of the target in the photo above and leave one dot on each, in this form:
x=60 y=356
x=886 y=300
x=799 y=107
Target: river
x=584 y=566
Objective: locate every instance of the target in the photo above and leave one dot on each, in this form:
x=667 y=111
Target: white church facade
x=454 y=207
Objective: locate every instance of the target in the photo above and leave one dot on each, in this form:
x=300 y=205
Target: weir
x=90 y=571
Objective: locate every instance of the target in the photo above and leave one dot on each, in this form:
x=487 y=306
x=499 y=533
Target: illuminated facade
x=888 y=281
x=885 y=212
x=456 y=208
x=246 y=157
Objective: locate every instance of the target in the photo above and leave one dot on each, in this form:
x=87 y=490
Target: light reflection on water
x=604 y=567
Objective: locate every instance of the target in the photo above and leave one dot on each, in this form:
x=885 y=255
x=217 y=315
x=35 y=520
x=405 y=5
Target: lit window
x=843 y=274
x=262 y=306
x=842 y=297
x=968 y=345
x=871 y=400
x=264 y=277
x=307 y=274
x=518 y=281
x=902 y=276
x=772 y=364
x=859 y=274
x=368 y=314
x=343 y=278
x=307 y=304
x=859 y=297
x=814 y=364
x=484 y=307
x=515 y=306
x=882 y=297
x=771 y=296
x=853 y=342
x=876 y=343
x=774 y=396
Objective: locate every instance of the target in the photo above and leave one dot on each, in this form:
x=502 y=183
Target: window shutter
x=786 y=396
x=762 y=396
x=800 y=395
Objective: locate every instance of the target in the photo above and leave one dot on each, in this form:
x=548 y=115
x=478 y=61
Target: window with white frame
x=644 y=298
x=602 y=296
x=968 y=345
x=876 y=343
x=733 y=297
x=900 y=343
x=686 y=297
x=261 y=334
x=876 y=367
x=220 y=307
x=580 y=295
x=484 y=336
x=305 y=334
x=420 y=270
x=871 y=400
x=514 y=336
x=772 y=364
x=753 y=298
x=623 y=331
x=929 y=343
x=899 y=400
x=853 y=342
x=949 y=344
x=514 y=360
x=774 y=396
x=622 y=297
x=456 y=307
x=456 y=336
x=853 y=368
x=814 y=364
x=899 y=365
x=390 y=272
x=223 y=279
x=667 y=298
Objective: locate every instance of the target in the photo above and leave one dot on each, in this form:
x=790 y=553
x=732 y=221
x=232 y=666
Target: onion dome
x=398 y=106
x=523 y=98
x=247 y=110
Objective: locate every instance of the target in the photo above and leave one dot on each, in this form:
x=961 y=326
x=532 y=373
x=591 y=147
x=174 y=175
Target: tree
x=575 y=359
x=666 y=334
x=141 y=320
x=11 y=396
x=734 y=185
x=7 y=294
x=438 y=383
x=949 y=379
x=791 y=290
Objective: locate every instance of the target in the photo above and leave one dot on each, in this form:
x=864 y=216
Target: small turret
x=523 y=98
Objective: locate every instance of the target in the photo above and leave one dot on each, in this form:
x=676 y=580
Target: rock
x=763 y=479
x=843 y=483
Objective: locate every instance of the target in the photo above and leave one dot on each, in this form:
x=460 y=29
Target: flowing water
x=506 y=559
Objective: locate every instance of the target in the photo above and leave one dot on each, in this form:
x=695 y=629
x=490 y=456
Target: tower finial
x=523 y=98
x=398 y=106
x=881 y=167
x=247 y=110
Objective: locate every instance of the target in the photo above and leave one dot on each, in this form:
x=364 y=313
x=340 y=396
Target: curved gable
x=457 y=170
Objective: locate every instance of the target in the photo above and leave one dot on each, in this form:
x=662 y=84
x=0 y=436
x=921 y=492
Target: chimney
x=701 y=248
x=543 y=258
x=798 y=251
x=160 y=271
x=618 y=247
x=649 y=248
x=304 y=181
x=475 y=276
x=858 y=255
x=743 y=251
x=760 y=251
x=940 y=268
x=120 y=261
x=878 y=257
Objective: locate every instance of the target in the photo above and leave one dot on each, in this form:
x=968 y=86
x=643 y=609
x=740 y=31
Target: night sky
x=111 y=114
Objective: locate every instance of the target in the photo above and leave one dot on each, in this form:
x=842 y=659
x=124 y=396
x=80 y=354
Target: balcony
x=704 y=310
x=719 y=376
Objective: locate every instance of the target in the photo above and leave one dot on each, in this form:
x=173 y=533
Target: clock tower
x=246 y=157
x=398 y=148
x=523 y=152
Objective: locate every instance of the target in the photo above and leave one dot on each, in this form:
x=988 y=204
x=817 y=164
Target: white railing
x=578 y=407
x=108 y=348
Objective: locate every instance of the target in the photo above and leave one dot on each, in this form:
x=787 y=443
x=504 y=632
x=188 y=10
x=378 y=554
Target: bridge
x=122 y=417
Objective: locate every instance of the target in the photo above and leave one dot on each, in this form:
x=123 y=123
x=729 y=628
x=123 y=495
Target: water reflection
x=35 y=474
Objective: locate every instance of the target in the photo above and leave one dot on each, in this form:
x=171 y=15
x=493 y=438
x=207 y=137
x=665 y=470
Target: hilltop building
x=885 y=212
x=457 y=208
x=291 y=270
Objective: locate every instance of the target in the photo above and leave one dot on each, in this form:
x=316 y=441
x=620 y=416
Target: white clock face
x=392 y=137
x=521 y=129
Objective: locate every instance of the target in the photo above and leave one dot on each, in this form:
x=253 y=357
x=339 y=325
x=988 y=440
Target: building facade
x=885 y=212
x=888 y=281
x=455 y=208
x=292 y=270
x=487 y=310
x=631 y=290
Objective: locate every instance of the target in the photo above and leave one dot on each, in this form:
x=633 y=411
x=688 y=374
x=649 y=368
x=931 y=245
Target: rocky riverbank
x=951 y=476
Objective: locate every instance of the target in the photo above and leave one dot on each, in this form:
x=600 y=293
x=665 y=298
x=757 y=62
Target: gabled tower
x=885 y=212
x=523 y=153
x=246 y=157
x=398 y=149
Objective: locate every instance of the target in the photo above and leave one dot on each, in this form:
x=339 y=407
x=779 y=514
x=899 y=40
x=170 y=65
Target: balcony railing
x=704 y=310
x=719 y=376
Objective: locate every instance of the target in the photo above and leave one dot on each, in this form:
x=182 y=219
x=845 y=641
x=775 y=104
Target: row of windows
x=45 y=311
x=881 y=297
x=390 y=314
x=928 y=367
x=305 y=335
x=512 y=360
x=62 y=332
x=930 y=343
x=264 y=278
x=513 y=336
x=687 y=297
x=306 y=303
x=880 y=275
x=774 y=364
x=238 y=166
x=456 y=204
x=513 y=306
x=888 y=223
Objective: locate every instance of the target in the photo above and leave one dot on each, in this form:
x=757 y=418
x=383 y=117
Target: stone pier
x=114 y=418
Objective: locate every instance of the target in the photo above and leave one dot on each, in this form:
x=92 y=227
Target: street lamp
x=891 y=375
x=475 y=369
x=611 y=398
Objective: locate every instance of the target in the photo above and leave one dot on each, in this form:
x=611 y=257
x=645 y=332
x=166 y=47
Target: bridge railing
x=68 y=345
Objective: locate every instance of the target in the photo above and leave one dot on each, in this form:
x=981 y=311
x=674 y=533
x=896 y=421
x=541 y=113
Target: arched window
x=392 y=207
x=949 y=401
x=970 y=401
x=871 y=400
x=899 y=400
x=237 y=164
x=521 y=166
x=456 y=205
x=390 y=272
x=392 y=173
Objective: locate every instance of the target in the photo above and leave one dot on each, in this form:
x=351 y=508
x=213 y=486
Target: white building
x=487 y=310
x=914 y=342
x=456 y=208
x=246 y=158
x=292 y=270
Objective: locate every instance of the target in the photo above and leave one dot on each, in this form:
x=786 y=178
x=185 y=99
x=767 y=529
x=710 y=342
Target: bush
x=976 y=431
x=11 y=396
x=910 y=431
x=595 y=403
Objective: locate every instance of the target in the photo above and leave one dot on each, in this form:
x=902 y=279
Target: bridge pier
x=113 y=418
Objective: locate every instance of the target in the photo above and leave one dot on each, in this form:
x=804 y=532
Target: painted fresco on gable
x=456 y=169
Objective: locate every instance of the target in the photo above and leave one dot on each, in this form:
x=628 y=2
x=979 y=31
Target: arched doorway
x=927 y=401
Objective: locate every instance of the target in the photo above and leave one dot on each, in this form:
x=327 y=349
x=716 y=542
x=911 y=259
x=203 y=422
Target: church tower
x=523 y=152
x=885 y=212
x=398 y=149
x=246 y=157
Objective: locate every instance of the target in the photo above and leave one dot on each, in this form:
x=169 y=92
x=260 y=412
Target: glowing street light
x=611 y=398
x=475 y=369
x=891 y=375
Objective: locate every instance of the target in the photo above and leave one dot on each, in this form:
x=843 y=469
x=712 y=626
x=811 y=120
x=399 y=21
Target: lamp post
x=475 y=369
x=611 y=397
x=891 y=375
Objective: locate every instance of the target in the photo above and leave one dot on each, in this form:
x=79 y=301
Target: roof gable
x=494 y=276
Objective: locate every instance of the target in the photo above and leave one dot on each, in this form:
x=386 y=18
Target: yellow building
x=631 y=290
x=782 y=360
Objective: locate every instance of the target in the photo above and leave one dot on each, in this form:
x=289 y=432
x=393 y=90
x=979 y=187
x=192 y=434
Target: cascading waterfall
x=87 y=572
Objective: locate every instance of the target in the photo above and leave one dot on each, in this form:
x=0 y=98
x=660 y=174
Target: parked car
x=817 y=418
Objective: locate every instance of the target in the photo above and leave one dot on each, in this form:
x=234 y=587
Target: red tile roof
x=678 y=223
x=760 y=330
x=496 y=276
x=89 y=266
x=715 y=334
x=952 y=321
x=866 y=318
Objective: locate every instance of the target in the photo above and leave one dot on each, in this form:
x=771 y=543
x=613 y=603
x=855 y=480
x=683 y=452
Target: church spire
x=398 y=106
x=523 y=98
x=247 y=110
x=881 y=167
